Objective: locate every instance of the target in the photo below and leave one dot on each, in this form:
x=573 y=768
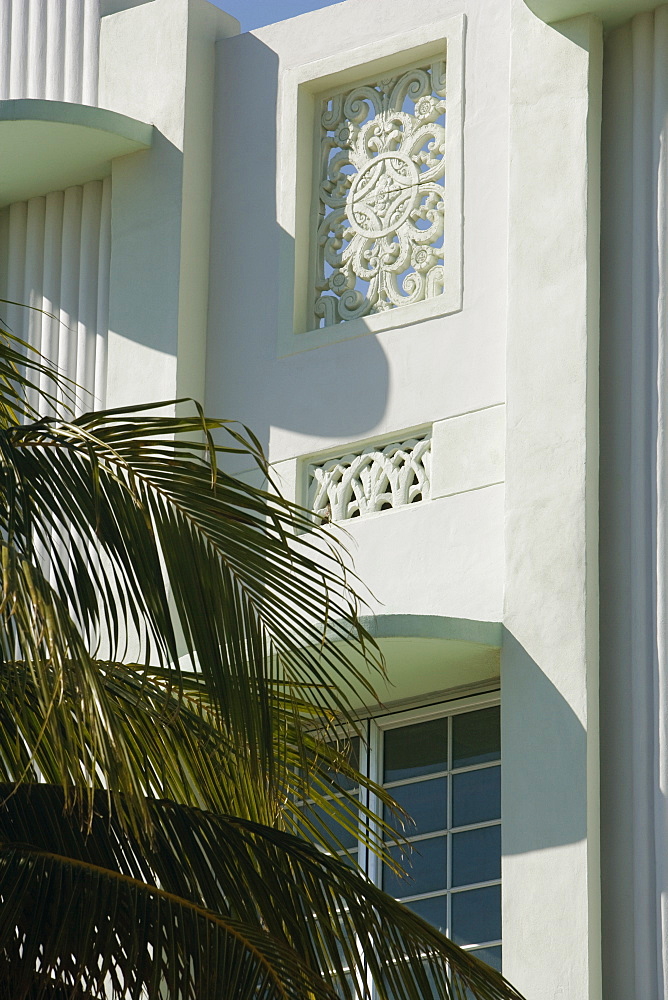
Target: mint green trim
x=611 y=12
x=428 y=657
x=28 y=109
x=434 y=627
x=51 y=145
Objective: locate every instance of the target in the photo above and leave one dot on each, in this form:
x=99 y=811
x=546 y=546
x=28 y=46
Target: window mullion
x=374 y=756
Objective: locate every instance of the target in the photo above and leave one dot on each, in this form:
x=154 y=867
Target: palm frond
x=134 y=521
x=74 y=927
x=176 y=647
x=227 y=894
x=174 y=747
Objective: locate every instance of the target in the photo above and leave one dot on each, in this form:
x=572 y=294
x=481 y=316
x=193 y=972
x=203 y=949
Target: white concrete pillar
x=33 y=276
x=16 y=238
x=55 y=47
x=104 y=269
x=157 y=64
x=69 y=281
x=87 y=331
x=53 y=229
x=549 y=667
x=36 y=57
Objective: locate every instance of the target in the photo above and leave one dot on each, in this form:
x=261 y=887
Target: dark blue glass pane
x=324 y=823
x=476 y=915
x=426 y=802
x=433 y=910
x=476 y=855
x=476 y=796
x=492 y=956
x=415 y=750
x=476 y=737
x=426 y=867
x=339 y=990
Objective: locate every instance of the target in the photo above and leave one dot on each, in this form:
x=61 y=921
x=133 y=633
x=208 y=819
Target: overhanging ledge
x=429 y=656
x=51 y=145
x=611 y=12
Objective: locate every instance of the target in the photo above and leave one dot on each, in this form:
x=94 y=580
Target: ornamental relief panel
x=381 y=196
x=374 y=479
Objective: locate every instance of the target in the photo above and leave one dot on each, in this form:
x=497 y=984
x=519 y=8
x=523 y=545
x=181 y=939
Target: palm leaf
x=121 y=540
x=175 y=748
x=69 y=926
x=212 y=895
x=133 y=523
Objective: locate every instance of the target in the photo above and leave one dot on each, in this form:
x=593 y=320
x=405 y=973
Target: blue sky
x=255 y=13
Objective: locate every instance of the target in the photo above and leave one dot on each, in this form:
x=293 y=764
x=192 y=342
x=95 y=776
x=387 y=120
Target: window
x=443 y=766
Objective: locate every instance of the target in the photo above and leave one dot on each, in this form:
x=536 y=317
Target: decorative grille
x=374 y=479
x=381 y=195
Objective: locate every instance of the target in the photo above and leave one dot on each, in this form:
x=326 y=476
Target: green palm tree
x=180 y=652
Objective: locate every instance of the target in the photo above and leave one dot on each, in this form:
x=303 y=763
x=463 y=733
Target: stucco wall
x=382 y=383
x=524 y=553
x=505 y=379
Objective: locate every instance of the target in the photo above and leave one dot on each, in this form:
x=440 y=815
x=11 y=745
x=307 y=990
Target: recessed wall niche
x=370 y=166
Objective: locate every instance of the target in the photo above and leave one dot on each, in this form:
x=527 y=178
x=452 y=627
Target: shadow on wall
x=547 y=802
x=345 y=395
x=344 y=399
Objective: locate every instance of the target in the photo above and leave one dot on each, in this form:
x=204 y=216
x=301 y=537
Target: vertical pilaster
x=157 y=64
x=549 y=670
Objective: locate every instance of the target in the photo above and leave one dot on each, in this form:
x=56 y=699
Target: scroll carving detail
x=374 y=479
x=381 y=196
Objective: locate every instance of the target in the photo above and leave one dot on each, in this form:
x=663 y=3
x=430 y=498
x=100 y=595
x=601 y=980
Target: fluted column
x=634 y=493
x=50 y=49
x=661 y=800
x=56 y=259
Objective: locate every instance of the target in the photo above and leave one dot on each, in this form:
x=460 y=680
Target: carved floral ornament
x=379 y=477
x=381 y=196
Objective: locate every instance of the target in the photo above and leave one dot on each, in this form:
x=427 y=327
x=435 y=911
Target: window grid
x=448 y=773
x=371 y=762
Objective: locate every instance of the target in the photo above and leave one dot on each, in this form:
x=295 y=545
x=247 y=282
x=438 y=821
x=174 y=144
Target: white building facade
x=420 y=248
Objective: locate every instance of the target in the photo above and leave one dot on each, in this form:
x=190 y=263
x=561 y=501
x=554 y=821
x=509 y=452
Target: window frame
x=371 y=764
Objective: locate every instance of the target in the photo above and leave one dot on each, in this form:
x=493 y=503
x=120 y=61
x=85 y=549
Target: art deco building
x=421 y=248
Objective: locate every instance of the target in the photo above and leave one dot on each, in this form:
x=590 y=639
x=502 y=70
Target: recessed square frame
x=301 y=90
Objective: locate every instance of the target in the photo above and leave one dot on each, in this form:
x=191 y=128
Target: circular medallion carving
x=383 y=194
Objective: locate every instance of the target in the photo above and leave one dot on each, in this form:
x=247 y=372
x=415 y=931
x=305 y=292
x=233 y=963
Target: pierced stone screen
x=374 y=479
x=381 y=191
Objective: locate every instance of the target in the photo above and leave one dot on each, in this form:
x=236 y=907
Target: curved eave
x=433 y=655
x=611 y=12
x=51 y=145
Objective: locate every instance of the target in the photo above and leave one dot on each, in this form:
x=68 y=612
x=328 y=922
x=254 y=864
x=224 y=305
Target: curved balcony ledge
x=611 y=12
x=51 y=145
